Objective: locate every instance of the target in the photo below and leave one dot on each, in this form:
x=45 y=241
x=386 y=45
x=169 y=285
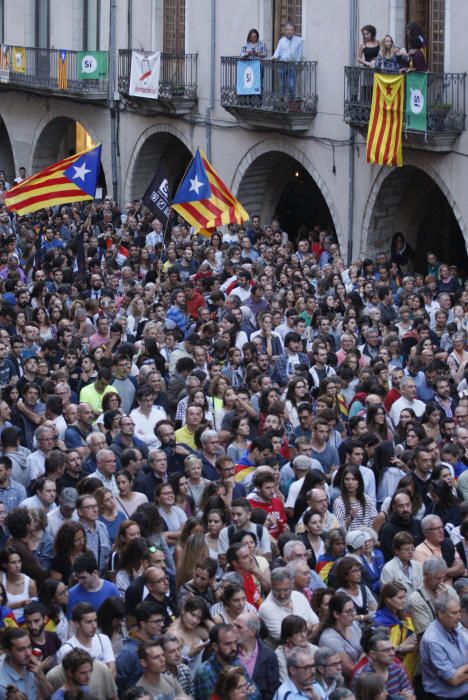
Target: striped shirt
x=361 y=519
x=397 y=681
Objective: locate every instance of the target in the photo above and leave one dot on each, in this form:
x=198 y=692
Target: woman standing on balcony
x=254 y=47
x=370 y=47
x=387 y=59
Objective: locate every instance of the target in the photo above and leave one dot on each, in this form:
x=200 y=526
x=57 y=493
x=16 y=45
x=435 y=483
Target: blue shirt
x=78 y=594
x=442 y=653
x=288 y=691
x=26 y=684
x=289 y=49
x=11 y=496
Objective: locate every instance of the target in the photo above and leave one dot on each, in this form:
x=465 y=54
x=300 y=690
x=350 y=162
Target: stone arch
x=156 y=143
x=418 y=203
x=58 y=138
x=7 y=159
x=259 y=182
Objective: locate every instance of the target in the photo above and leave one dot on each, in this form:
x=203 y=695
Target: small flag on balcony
x=18 y=64
x=156 y=197
x=62 y=65
x=204 y=200
x=416 y=101
x=384 y=135
x=70 y=180
x=91 y=65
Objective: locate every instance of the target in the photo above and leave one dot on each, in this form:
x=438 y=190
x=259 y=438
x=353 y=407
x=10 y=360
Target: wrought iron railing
x=283 y=87
x=39 y=69
x=445 y=99
x=178 y=75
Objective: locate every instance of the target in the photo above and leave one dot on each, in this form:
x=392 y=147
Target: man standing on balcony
x=289 y=51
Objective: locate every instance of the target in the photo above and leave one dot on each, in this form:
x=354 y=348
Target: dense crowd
x=231 y=466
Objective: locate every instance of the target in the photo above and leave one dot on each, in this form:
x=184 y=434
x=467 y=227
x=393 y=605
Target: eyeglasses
x=91 y=505
x=307 y=669
x=159 y=580
x=430 y=529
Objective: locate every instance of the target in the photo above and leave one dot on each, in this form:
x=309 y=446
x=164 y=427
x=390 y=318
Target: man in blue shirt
x=90 y=587
x=289 y=52
x=444 y=652
x=301 y=674
x=20 y=668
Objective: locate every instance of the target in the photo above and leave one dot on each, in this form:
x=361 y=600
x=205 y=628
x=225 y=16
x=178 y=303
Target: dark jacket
x=266 y=672
x=393 y=525
x=129 y=669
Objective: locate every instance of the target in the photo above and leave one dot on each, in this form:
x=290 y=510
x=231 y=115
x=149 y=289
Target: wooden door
x=174 y=26
x=286 y=11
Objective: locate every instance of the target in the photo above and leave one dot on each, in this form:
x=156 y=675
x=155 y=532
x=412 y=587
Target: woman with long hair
x=296 y=394
x=41 y=317
x=430 y=421
x=348 y=579
x=240 y=431
x=53 y=594
x=69 y=543
x=214 y=519
x=19 y=588
x=194 y=549
x=132 y=563
x=314 y=479
x=312 y=537
x=342 y=632
x=108 y=511
x=128 y=530
x=353 y=508
x=444 y=504
x=294 y=634
x=233 y=603
x=260 y=568
x=40 y=542
x=183 y=498
x=377 y=422
x=407 y=416
x=127 y=500
x=151 y=526
x=319 y=602
x=388 y=470
x=191 y=631
x=391 y=614
x=111 y=621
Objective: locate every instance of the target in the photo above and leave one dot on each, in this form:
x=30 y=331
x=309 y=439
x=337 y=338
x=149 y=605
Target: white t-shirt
x=100 y=649
x=272 y=613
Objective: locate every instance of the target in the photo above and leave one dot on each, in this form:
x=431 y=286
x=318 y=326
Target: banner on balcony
x=144 y=74
x=18 y=64
x=5 y=55
x=248 y=78
x=62 y=66
x=416 y=101
x=384 y=135
x=91 y=65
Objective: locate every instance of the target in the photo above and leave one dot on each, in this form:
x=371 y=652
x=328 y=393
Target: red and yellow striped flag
x=204 y=200
x=62 y=65
x=384 y=136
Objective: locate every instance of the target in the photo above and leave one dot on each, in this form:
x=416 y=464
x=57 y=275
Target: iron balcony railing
x=40 y=70
x=283 y=87
x=445 y=99
x=178 y=79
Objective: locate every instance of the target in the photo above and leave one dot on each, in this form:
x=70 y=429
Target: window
x=286 y=11
x=174 y=26
x=42 y=14
x=430 y=14
x=91 y=24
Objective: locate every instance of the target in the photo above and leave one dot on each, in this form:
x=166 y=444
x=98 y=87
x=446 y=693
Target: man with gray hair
x=444 y=652
x=421 y=602
x=105 y=470
x=328 y=676
x=436 y=544
x=210 y=452
x=294 y=552
x=64 y=512
x=45 y=440
x=260 y=662
x=407 y=400
x=283 y=601
x=301 y=673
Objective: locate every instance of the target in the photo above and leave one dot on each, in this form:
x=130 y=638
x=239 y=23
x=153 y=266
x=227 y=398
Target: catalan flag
x=204 y=200
x=71 y=180
x=62 y=65
x=384 y=136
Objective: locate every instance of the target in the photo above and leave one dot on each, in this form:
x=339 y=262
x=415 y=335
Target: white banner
x=144 y=74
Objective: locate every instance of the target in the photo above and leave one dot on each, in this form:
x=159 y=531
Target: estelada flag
x=384 y=135
x=204 y=200
x=62 y=65
x=70 y=180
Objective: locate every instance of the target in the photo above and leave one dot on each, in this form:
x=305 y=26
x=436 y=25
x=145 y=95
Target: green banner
x=91 y=65
x=416 y=101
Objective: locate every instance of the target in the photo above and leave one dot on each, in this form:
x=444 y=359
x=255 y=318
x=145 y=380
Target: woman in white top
x=403 y=568
x=19 y=588
x=132 y=563
x=128 y=500
x=146 y=416
x=173 y=516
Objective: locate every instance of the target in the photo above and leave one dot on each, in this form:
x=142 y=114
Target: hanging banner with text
x=416 y=101
x=144 y=74
x=249 y=78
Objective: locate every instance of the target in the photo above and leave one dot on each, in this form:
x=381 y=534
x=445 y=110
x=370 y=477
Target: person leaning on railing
x=254 y=47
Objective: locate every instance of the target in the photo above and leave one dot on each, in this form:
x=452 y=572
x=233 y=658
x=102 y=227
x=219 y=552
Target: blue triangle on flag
x=195 y=185
x=84 y=171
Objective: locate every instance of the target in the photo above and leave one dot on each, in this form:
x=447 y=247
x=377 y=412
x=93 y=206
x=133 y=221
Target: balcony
x=37 y=70
x=177 y=85
x=445 y=112
x=285 y=97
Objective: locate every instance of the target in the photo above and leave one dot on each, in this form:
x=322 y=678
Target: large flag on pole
x=156 y=197
x=204 y=200
x=384 y=135
x=416 y=101
x=71 y=180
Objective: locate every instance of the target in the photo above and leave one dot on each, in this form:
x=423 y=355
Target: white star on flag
x=195 y=184
x=80 y=172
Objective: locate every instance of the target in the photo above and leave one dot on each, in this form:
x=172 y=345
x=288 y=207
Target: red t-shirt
x=274 y=508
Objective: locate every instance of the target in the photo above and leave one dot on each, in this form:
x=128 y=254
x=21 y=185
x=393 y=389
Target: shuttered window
x=174 y=26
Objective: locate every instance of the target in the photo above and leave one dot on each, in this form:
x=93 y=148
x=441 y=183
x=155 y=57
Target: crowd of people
x=231 y=467
x=384 y=55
